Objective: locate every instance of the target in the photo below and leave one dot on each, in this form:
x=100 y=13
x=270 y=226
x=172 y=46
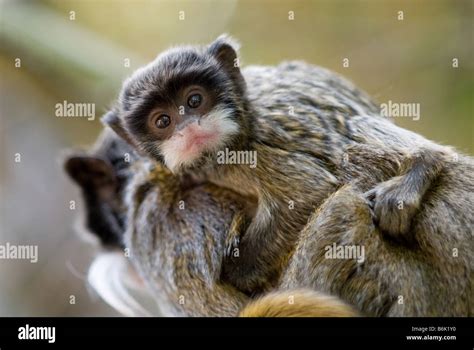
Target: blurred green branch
x=54 y=47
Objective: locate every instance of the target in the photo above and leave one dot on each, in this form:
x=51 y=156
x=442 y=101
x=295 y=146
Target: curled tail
x=297 y=303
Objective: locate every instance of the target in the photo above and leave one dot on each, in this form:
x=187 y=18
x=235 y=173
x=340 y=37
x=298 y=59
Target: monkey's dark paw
x=394 y=206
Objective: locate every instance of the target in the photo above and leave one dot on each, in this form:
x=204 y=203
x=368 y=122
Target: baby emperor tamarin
x=193 y=103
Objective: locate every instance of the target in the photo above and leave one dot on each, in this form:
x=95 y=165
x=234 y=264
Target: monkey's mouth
x=186 y=148
x=202 y=138
x=198 y=142
x=198 y=139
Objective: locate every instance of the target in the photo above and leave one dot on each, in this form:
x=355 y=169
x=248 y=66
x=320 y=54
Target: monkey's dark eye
x=194 y=101
x=163 y=121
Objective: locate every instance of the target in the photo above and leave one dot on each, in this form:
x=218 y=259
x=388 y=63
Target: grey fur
x=427 y=279
x=179 y=250
x=305 y=156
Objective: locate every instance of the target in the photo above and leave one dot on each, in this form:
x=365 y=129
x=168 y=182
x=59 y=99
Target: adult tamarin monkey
x=431 y=278
x=174 y=233
x=304 y=123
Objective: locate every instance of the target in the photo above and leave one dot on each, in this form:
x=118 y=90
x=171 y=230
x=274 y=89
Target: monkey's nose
x=188 y=121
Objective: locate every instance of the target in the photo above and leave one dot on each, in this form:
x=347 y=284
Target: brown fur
x=297 y=303
x=302 y=121
x=179 y=252
x=424 y=279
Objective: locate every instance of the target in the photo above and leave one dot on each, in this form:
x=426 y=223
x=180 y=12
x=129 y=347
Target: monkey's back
x=176 y=236
x=305 y=104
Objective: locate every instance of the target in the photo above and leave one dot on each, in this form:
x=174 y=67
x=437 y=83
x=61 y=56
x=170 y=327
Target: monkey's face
x=193 y=123
x=183 y=107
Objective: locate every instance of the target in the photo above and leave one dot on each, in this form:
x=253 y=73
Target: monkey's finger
x=372 y=215
x=370 y=197
x=231 y=244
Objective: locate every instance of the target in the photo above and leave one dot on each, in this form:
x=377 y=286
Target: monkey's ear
x=112 y=120
x=89 y=172
x=224 y=49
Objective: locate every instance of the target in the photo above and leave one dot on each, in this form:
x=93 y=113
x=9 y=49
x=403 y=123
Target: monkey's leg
x=338 y=253
x=259 y=259
x=396 y=202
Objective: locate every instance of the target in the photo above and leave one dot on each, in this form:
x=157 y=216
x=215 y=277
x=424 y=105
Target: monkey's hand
x=394 y=205
x=237 y=227
x=395 y=202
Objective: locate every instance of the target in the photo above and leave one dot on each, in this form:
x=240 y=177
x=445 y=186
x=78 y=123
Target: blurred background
x=78 y=51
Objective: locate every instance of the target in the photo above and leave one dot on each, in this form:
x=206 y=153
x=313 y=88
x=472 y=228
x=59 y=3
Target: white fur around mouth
x=218 y=122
